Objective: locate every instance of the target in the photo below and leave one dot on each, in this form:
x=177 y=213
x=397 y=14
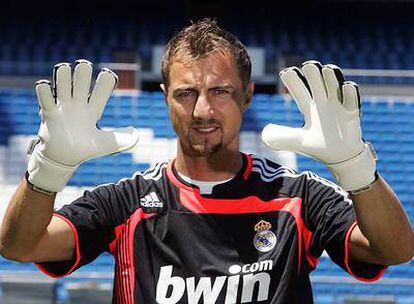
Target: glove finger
x=334 y=80
x=298 y=87
x=63 y=82
x=313 y=73
x=282 y=137
x=44 y=95
x=352 y=100
x=117 y=140
x=82 y=80
x=104 y=86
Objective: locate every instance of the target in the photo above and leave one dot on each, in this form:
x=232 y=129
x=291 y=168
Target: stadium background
x=372 y=40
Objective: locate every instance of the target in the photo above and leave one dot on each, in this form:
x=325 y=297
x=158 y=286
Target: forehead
x=212 y=70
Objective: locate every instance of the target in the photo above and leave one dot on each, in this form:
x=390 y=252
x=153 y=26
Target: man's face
x=206 y=101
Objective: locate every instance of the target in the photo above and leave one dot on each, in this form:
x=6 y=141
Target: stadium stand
x=374 y=45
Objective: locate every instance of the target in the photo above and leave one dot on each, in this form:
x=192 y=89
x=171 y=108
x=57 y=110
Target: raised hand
x=68 y=133
x=331 y=133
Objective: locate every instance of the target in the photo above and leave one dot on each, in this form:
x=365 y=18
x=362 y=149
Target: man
x=213 y=225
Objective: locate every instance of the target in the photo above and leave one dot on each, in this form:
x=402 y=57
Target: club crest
x=264 y=240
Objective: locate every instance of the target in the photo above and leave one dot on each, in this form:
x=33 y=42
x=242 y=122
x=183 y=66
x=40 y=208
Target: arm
x=68 y=136
x=332 y=134
x=42 y=237
x=384 y=234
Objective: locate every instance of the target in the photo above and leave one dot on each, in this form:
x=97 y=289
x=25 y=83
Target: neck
x=221 y=165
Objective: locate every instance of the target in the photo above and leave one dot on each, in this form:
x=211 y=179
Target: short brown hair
x=200 y=39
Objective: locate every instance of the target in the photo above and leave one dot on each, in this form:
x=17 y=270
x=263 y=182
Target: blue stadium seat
x=370 y=45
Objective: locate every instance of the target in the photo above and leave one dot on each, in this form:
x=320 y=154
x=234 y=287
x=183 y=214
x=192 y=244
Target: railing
x=379 y=73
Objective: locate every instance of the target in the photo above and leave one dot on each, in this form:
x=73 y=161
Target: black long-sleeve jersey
x=254 y=239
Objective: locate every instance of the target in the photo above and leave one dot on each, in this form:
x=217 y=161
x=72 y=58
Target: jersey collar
x=238 y=179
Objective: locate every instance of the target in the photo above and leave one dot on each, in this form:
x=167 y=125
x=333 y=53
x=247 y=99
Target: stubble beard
x=204 y=148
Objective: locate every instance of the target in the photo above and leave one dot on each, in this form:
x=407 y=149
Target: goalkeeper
x=213 y=225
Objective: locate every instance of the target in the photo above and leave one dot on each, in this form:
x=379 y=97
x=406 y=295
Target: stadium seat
x=89 y=293
x=25 y=291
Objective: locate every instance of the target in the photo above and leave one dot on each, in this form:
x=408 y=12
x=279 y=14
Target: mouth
x=206 y=130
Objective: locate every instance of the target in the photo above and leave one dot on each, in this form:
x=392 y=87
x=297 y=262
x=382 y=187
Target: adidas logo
x=151 y=200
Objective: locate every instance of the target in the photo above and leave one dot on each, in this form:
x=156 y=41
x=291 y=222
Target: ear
x=249 y=96
x=164 y=90
x=162 y=86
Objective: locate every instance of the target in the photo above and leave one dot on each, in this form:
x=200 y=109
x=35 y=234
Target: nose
x=203 y=109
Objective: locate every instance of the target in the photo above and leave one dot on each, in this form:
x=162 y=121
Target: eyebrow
x=184 y=89
x=221 y=87
x=191 y=88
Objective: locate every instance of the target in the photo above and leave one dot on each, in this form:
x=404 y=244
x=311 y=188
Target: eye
x=220 y=92
x=185 y=95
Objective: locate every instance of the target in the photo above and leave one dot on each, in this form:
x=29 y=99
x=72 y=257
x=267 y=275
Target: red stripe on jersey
x=117 y=231
x=313 y=261
x=346 y=262
x=248 y=167
x=77 y=251
x=124 y=254
x=192 y=200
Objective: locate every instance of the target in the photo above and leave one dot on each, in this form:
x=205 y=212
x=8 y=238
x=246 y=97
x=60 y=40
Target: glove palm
x=332 y=132
x=68 y=132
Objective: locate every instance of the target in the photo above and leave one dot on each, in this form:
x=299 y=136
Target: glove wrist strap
x=358 y=172
x=47 y=174
x=366 y=188
x=35 y=188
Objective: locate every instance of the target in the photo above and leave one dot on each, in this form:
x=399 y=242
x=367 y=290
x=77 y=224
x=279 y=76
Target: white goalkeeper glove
x=332 y=131
x=68 y=133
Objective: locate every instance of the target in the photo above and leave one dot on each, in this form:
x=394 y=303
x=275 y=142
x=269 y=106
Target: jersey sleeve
x=329 y=214
x=93 y=219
